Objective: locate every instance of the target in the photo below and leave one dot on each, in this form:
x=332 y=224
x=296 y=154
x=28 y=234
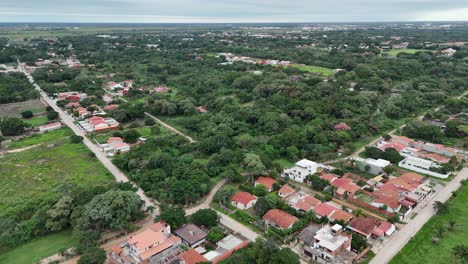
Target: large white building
x=299 y=172
x=372 y=166
x=422 y=166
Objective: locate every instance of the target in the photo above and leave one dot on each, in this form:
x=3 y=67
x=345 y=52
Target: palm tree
x=358 y=212
x=460 y=253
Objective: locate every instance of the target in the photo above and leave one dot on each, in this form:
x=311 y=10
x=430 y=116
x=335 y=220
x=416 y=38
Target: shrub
x=27 y=114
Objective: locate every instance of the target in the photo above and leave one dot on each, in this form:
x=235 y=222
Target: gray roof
x=307 y=235
x=191 y=233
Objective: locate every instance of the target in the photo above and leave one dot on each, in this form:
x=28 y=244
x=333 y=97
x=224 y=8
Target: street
x=385 y=253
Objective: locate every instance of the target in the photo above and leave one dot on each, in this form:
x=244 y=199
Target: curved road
x=190 y=139
x=68 y=120
x=388 y=250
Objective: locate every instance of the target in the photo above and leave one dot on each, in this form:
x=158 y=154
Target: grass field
x=38 y=249
x=395 y=52
x=314 y=69
x=40 y=138
x=15 y=109
x=37 y=120
x=421 y=250
x=32 y=176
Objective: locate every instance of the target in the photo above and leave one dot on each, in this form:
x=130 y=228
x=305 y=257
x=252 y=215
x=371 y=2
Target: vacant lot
x=38 y=174
x=421 y=249
x=38 y=249
x=395 y=52
x=37 y=120
x=49 y=137
x=314 y=69
x=15 y=109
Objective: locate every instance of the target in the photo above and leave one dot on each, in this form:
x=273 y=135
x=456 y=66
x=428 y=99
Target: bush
x=52 y=115
x=150 y=122
x=76 y=139
x=27 y=114
x=12 y=126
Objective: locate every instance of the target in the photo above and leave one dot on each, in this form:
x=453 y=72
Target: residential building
x=155 y=245
x=265 y=181
x=279 y=219
x=331 y=245
x=226 y=247
x=324 y=210
x=191 y=235
x=243 y=200
x=285 y=191
x=191 y=257
x=115 y=145
x=50 y=127
x=422 y=166
x=372 y=166
x=302 y=168
x=340 y=215
x=306 y=204
x=363 y=226
x=98 y=124
x=71 y=96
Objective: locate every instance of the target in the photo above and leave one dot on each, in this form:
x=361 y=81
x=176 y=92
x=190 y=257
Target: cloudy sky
x=161 y=11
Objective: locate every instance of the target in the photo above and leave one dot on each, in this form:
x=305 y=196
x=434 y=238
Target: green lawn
x=421 y=250
x=39 y=174
x=283 y=163
x=37 y=120
x=314 y=69
x=395 y=52
x=38 y=249
x=40 y=138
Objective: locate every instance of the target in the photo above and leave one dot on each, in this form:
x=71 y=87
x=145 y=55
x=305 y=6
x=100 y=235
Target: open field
x=33 y=176
x=15 y=109
x=314 y=69
x=37 y=120
x=38 y=249
x=420 y=249
x=395 y=52
x=40 y=138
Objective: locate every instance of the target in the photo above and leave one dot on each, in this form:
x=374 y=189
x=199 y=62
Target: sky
x=231 y=11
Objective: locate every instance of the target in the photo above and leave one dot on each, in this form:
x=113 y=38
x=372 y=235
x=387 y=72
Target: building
x=243 y=200
x=191 y=235
x=306 y=204
x=422 y=166
x=115 y=145
x=50 y=127
x=331 y=245
x=372 y=166
x=324 y=210
x=71 y=96
x=111 y=107
x=342 y=127
x=191 y=257
x=340 y=215
x=265 y=181
x=285 y=191
x=300 y=171
x=363 y=226
x=226 y=248
x=98 y=124
x=155 y=245
x=279 y=219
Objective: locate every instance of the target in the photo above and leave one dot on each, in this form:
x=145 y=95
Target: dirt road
x=170 y=127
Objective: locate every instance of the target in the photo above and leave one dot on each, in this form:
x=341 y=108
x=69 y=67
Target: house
x=226 y=248
x=307 y=234
x=329 y=177
x=243 y=200
x=372 y=166
x=396 y=145
x=155 y=245
x=386 y=228
x=363 y=226
x=202 y=109
x=306 y=204
x=340 y=215
x=279 y=219
x=285 y=191
x=71 y=96
x=191 y=257
x=159 y=89
x=324 y=210
x=347 y=189
x=98 y=124
x=265 y=181
x=82 y=112
x=342 y=127
x=111 y=107
x=50 y=127
x=115 y=145
x=191 y=235
x=302 y=168
x=128 y=83
x=331 y=245
x=422 y=166
x=72 y=105
x=402 y=140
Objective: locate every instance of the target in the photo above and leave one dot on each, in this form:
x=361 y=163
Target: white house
x=422 y=166
x=372 y=166
x=243 y=200
x=299 y=172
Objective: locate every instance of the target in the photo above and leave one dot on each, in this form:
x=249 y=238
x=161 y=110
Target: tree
x=216 y=234
x=205 y=217
x=262 y=206
x=440 y=207
x=387 y=137
x=244 y=83
x=12 y=126
x=460 y=253
x=58 y=215
x=392 y=155
x=173 y=215
x=358 y=242
x=114 y=209
x=52 y=115
x=76 y=139
x=95 y=255
x=317 y=183
x=284 y=255
x=253 y=163
x=260 y=190
x=131 y=136
x=27 y=114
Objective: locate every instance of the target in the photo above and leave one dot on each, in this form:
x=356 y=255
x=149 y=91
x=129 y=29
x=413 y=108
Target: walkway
x=170 y=127
x=206 y=203
x=68 y=120
x=396 y=242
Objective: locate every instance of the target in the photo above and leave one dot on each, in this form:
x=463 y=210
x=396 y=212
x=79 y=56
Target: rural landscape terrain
x=234 y=143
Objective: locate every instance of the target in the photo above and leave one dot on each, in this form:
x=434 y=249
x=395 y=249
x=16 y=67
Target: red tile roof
x=192 y=257
x=265 y=181
x=114 y=139
x=340 y=182
x=412 y=178
x=385 y=226
x=324 y=209
x=363 y=225
x=396 y=145
x=341 y=215
x=243 y=198
x=286 y=189
x=111 y=107
x=350 y=187
x=280 y=218
x=311 y=200
x=342 y=126
x=329 y=177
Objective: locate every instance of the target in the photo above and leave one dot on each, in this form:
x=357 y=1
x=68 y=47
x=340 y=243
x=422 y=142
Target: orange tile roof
x=192 y=257
x=391 y=202
x=311 y=200
x=324 y=209
x=114 y=139
x=363 y=225
x=328 y=177
x=243 y=198
x=301 y=205
x=280 y=218
x=341 y=215
x=265 y=181
x=286 y=189
x=412 y=177
x=350 y=187
x=340 y=182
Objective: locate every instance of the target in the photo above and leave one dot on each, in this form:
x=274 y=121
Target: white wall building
x=422 y=166
x=375 y=166
x=299 y=172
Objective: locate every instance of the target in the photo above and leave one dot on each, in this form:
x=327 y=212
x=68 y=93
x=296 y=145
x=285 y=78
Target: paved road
x=170 y=127
x=385 y=253
x=237 y=227
x=206 y=203
x=68 y=120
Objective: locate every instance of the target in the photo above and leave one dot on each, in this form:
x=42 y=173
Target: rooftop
x=265 y=181
x=328 y=238
x=191 y=233
x=243 y=198
x=280 y=218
